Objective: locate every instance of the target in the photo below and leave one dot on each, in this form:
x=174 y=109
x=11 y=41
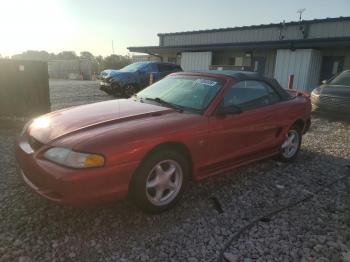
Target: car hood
x=335 y=90
x=57 y=124
x=119 y=74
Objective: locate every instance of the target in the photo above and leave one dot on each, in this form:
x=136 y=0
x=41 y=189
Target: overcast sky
x=78 y=25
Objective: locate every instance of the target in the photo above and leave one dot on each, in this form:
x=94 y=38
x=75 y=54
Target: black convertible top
x=247 y=75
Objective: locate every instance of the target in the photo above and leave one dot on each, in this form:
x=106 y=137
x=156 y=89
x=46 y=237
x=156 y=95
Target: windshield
x=191 y=93
x=342 y=79
x=133 y=67
x=105 y=72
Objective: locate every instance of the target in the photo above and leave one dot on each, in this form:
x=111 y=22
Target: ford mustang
x=186 y=126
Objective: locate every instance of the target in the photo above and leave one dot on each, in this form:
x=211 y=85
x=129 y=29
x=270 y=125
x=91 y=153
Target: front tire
x=129 y=90
x=160 y=181
x=291 y=145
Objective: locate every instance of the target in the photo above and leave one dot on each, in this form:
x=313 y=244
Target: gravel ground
x=199 y=228
x=67 y=93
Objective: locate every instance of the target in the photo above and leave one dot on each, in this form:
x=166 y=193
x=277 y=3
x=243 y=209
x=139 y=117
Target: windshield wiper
x=165 y=103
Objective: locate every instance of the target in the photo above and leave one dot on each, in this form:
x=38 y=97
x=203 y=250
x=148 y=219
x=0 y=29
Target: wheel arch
x=171 y=145
x=300 y=123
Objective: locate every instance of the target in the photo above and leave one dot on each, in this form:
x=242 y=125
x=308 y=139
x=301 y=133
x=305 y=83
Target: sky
x=91 y=25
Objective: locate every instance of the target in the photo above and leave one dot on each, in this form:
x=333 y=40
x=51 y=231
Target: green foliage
x=66 y=55
x=34 y=55
x=115 y=62
x=87 y=55
x=99 y=63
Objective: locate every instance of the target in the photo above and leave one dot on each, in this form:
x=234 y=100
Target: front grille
x=34 y=143
x=335 y=102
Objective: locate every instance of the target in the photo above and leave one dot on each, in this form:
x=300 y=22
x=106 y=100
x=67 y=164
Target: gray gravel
x=67 y=93
x=32 y=229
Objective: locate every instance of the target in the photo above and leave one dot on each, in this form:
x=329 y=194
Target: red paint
x=125 y=131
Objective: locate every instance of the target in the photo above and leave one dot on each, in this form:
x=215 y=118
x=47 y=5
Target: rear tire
x=160 y=181
x=291 y=145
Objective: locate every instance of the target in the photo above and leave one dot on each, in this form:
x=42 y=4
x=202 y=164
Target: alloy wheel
x=164 y=182
x=291 y=144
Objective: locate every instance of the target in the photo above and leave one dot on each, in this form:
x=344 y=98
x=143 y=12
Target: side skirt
x=230 y=165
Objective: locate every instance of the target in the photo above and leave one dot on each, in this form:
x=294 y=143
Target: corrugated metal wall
x=273 y=33
x=338 y=52
x=223 y=58
x=304 y=64
x=313 y=79
x=270 y=63
x=191 y=61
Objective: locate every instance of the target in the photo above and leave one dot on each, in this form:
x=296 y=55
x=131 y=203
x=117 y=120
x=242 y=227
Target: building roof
x=303 y=22
x=291 y=44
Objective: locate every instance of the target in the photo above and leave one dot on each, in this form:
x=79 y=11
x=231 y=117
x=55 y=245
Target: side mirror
x=228 y=110
x=324 y=82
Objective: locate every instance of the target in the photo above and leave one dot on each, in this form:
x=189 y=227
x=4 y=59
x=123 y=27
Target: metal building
x=74 y=69
x=312 y=50
x=143 y=58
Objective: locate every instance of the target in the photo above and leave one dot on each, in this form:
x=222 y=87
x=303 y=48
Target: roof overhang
x=283 y=44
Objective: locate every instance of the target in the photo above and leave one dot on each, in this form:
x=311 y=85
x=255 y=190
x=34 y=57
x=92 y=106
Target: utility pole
x=300 y=12
x=113 y=47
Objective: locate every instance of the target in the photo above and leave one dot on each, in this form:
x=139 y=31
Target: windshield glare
x=342 y=79
x=133 y=67
x=193 y=93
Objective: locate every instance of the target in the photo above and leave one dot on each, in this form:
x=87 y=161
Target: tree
x=66 y=55
x=115 y=61
x=94 y=63
x=99 y=63
x=87 y=55
x=34 y=55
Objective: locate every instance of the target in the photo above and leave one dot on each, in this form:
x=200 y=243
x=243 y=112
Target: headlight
x=70 y=158
x=316 y=92
x=110 y=79
x=25 y=127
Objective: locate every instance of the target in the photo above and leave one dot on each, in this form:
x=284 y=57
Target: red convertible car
x=186 y=126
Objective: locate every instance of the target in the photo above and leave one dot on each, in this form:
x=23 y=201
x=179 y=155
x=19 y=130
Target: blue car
x=134 y=77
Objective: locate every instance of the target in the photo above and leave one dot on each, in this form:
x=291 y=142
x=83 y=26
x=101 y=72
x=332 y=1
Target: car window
x=166 y=68
x=250 y=94
x=273 y=95
x=134 y=67
x=150 y=68
x=190 y=92
x=341 y=79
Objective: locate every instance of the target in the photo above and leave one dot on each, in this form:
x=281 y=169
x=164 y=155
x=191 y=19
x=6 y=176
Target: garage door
x=193 y=61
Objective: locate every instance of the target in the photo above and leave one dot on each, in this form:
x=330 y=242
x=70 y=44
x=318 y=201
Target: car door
x=146 y=72
x=166 y=69
x=243 y=136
